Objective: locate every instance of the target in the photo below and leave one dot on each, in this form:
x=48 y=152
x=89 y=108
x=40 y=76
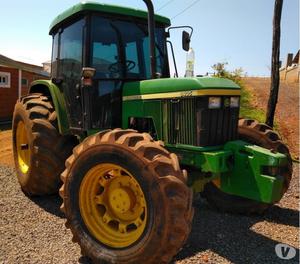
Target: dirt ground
x=6 y=157
x=287 y=110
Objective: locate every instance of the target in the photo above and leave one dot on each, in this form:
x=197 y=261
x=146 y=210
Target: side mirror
x=186 y=40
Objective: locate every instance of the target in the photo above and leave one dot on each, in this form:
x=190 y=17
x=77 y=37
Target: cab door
x=67 y=68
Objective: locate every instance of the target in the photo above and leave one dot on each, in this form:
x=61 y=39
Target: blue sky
x=236 y=31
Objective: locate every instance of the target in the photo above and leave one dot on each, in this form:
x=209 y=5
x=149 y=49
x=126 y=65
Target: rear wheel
x=262 y=135
x=39 y=150
x=125 y=199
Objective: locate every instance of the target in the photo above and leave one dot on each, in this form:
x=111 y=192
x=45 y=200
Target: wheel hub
x=112 y=205
x=120 y=200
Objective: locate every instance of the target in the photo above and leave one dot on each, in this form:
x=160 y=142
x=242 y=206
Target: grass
x=247 y=110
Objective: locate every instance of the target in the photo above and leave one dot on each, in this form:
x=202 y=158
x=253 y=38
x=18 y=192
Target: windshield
x=120 y=49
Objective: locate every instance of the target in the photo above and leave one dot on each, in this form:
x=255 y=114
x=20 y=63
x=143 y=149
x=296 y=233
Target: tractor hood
x=179 y=87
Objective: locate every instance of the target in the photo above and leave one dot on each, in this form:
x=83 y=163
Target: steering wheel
x=115 y=67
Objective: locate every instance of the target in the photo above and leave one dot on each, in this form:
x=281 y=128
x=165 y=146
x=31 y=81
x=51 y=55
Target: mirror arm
x=169 y=28
x=174 y=61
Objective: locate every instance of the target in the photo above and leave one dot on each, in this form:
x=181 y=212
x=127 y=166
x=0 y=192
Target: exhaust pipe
x=151 y=28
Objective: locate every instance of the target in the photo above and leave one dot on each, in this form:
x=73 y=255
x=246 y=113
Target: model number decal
x=186 y=93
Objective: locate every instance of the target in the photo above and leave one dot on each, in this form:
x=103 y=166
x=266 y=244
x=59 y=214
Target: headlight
x=234 y=102
x=214 y=102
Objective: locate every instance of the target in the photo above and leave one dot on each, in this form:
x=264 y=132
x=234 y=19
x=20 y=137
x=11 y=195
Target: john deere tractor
x=129 y=145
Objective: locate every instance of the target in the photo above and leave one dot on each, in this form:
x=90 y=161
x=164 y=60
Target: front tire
x=125 y=199
x=262 y=135
x=39 y=150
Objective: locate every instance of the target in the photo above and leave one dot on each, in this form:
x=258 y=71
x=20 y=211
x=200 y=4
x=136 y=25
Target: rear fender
x=48 y=88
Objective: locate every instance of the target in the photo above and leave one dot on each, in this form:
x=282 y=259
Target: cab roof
x=105 y=8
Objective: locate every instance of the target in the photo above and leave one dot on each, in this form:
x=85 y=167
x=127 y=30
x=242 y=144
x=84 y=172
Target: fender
x=48 y=88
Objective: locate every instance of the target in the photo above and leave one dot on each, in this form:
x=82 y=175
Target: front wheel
x=125 y=199
x=262 y=135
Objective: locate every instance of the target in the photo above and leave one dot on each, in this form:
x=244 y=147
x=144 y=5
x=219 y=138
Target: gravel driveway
x=32 y=230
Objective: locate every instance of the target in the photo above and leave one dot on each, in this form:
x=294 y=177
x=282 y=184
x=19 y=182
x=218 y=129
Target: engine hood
x=179 y=87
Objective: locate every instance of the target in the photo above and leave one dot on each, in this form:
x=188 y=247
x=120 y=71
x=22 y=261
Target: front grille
x=190 y=122
x=181 y=121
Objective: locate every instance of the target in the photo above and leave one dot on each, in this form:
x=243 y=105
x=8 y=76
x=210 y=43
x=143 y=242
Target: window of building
x=24 y=82
x=4 y=80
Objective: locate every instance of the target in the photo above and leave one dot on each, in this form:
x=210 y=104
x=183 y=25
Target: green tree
x=221 y=71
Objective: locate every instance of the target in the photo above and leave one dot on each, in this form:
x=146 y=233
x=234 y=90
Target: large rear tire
x=125 y=199
x=39 y=150
x=262 y=135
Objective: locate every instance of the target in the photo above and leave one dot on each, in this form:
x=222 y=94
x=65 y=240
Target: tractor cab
x=115 y=42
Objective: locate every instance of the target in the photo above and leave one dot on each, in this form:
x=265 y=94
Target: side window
x=147 y=56
x=105 y=52
x=159 y=56
x=70 y=54
x=104 y=55
x=131 y=55
x=54 y=55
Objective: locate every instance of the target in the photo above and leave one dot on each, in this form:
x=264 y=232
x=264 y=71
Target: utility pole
x=275 y=64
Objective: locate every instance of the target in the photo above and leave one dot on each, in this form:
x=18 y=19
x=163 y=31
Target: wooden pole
x=275 y=79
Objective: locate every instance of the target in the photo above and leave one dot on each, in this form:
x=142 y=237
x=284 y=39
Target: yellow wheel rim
x=112 y=205
x=22 y=145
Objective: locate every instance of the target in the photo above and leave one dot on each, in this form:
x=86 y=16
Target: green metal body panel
x=154 y=108
x=147 y=109
x=247 y=177
x=58 y=102
x=239 y=165
x=167 y=85
x=206 y=159
x=105 y=8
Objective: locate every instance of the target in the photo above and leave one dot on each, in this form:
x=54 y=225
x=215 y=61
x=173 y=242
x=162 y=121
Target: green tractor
x=131 y=145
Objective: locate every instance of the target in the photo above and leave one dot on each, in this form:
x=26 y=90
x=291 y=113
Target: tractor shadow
x=231 y=236
x=49 y=203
